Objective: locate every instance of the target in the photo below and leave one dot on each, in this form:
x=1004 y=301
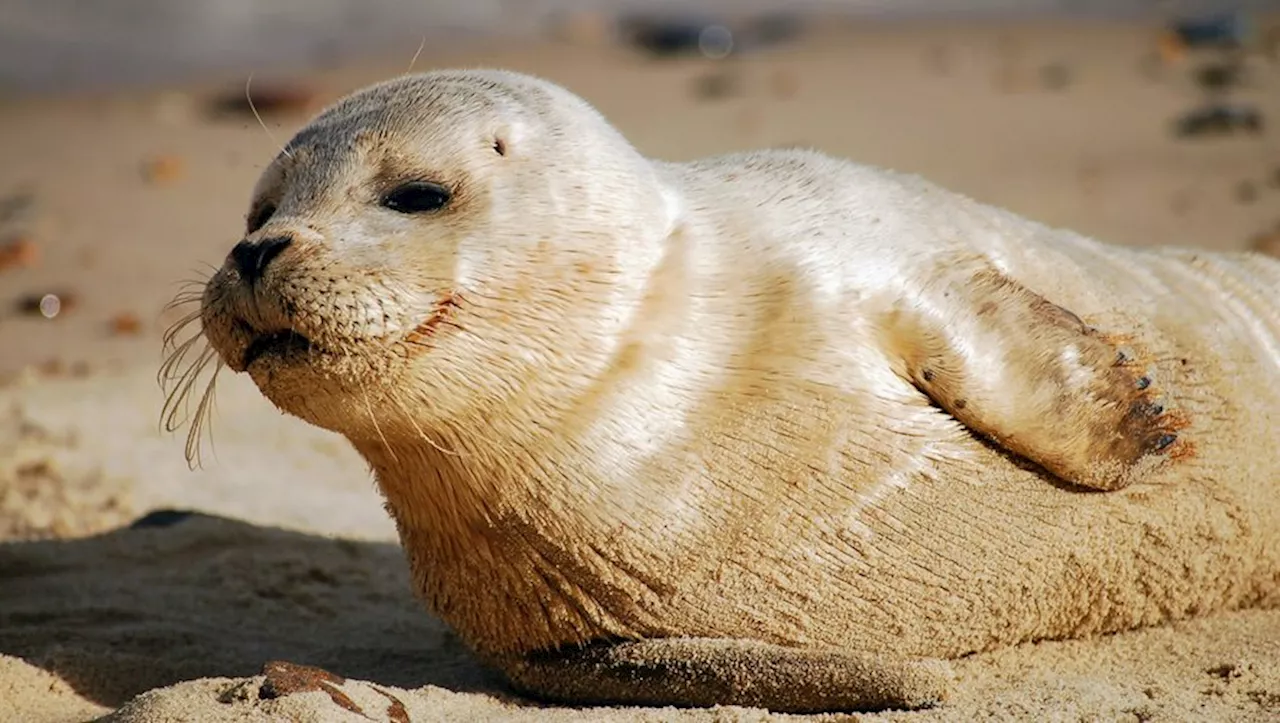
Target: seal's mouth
x=276 y=343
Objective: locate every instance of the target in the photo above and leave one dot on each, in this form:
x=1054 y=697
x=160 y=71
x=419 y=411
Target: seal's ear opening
x=507 y=136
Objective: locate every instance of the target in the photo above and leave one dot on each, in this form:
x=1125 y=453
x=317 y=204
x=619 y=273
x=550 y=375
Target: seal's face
x=349 y=269
x=413 y=248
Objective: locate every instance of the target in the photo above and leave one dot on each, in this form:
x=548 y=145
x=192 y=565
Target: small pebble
x=1267 y=242
x=268 y=99
x=1221 y=31
x=162 y=169
x=125 y=324
x=16 y=207
x=1055 y=76
x=1219 y=76
x=55 y=367
x=715 y=85
x=938 y=58
x=47 y=305
x=19 y=253
x=52 y=367
x=1246 y=192
x=1171 y=49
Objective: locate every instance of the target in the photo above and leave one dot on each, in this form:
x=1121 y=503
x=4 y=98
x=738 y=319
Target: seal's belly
x=862 y=516
x=957 y=549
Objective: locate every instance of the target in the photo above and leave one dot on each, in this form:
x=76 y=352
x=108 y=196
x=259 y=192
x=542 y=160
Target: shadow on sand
x=179 y=596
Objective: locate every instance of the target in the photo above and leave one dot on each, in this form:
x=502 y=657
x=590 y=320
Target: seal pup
x=770 y=429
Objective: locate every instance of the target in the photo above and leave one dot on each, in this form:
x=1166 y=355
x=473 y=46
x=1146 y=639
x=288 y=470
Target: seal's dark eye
x=416 y=197
x=259 y=216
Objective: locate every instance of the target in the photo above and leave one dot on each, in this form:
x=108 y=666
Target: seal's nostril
x=252 y=258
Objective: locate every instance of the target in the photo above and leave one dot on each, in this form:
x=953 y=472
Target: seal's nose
x=252 y=257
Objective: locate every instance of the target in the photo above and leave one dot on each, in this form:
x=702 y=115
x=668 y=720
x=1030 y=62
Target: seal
x=772 y=428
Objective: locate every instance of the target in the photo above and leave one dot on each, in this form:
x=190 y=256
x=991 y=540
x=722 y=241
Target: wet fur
x=770 y=428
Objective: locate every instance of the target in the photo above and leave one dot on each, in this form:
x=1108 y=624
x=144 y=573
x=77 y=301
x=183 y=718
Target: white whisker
x=435 y=445
x=181 y=371
x=203 y=411
x=377 y=428
x=414 y=60
x=254 y=108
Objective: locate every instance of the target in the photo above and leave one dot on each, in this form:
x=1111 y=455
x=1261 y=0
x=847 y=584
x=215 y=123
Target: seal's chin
x=277 y=344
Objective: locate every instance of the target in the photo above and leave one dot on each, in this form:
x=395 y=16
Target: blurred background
x=128 y=151
x=59 y=44
x=126 y=131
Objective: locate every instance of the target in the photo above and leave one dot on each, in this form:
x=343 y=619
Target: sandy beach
x=279 y=548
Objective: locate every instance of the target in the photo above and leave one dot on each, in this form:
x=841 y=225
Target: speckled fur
x=769 y=428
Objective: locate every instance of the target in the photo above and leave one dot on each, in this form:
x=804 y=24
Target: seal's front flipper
x=1031 y=377
x=706 y=672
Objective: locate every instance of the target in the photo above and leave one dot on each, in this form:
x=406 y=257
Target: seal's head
x=437 y=244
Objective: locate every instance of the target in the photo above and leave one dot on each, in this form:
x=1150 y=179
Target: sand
x=290 y=555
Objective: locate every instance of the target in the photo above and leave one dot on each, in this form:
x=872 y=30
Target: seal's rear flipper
x=1031 y=377
x=706 y=672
